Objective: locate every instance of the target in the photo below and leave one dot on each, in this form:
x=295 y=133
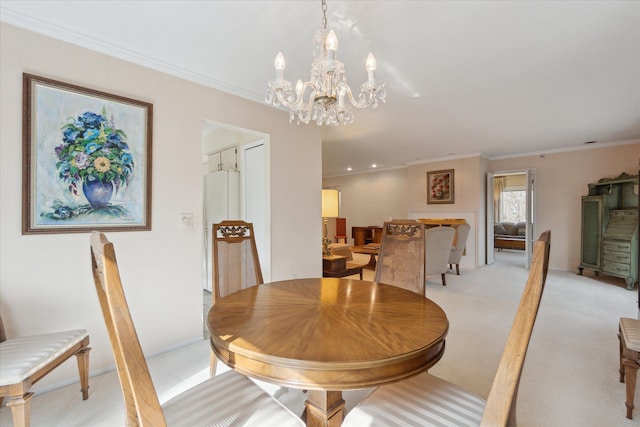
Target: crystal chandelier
x=323 y=98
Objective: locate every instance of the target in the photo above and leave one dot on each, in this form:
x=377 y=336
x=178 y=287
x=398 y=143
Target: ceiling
x=491 y=78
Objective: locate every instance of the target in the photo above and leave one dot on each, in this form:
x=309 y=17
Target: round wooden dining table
x=326 y=335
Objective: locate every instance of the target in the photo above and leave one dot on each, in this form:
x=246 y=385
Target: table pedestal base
x=371 y=265
x=324 y=408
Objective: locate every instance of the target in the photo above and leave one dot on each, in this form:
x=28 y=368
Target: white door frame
x=490 y=222
x=530 y=209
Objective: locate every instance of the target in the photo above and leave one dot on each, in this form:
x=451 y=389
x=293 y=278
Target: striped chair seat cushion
x=630 y=329
x=423 y=400
x=22 y=357
x=228 y=399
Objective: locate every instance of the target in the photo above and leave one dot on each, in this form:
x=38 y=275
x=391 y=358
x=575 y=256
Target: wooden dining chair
x=426 y=400
x=235 y=258
x=26 y=360
x=341 y=230
x=438 y=242
x=224 y=400
x=401 y=256
x=235 y=263
x=629 y=338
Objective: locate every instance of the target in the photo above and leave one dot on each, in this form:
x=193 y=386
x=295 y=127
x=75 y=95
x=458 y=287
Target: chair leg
x=621 y=368
x=83 y=369
x=21 y=410
x=631 y=371
x=444 y=280
x=213 y=364
x=458 y=269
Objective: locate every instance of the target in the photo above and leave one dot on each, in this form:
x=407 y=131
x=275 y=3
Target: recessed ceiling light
x=374 y=165
x=349 y=169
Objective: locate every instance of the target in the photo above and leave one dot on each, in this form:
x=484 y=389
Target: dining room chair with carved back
x=401 y=255
x=427 y=400
x=226 y=399
x=459 y=245
x=438 y=241
x=25 y=360
x=235 y=258
x=235 y=263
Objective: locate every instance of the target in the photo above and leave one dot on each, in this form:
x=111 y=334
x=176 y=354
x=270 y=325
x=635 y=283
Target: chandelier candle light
x=323 y=97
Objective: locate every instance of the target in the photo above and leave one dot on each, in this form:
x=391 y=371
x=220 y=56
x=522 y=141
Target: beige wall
x=561 y=178
x=370 y=198
x=45 y=280
x=561 y=181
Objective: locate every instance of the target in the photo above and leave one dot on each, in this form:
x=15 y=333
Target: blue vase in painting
x=98 y=193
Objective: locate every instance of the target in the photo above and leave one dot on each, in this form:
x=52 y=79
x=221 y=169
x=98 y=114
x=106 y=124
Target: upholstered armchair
x=438 y=241
x=458 y=248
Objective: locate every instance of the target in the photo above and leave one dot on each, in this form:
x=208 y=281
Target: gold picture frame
x=440 y=187
x=86 y=159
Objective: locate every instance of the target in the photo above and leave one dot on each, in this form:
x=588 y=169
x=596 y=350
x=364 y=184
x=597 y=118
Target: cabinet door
x=591 y=232
x=228 y=159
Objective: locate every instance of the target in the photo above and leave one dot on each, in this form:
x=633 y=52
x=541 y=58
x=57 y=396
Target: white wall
x=370 y=198
x=45 y=280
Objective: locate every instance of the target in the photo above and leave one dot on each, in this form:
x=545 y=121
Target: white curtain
x=498 y=187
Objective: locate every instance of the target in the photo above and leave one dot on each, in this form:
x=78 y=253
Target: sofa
x=342 y=249
x=509 y=235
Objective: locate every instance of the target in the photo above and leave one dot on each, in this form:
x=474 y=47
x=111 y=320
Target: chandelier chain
x=324 y=14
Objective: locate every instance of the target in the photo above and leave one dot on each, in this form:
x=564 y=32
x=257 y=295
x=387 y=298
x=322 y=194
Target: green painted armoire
x=609 y=228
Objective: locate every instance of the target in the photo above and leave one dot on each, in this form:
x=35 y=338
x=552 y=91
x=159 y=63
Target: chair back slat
x=141 y=400
x=401 y=256
x=501 y=402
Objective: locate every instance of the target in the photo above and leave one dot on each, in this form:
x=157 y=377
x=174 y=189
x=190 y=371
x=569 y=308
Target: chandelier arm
x=368 y=99
x=296 y=104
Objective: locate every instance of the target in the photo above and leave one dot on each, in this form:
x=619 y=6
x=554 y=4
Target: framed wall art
x=440 y=187
x=86 y=160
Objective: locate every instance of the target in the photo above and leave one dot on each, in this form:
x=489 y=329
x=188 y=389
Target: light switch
x=186 y=220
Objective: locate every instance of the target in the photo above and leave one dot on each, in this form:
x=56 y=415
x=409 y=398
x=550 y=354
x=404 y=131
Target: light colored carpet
x=570 y=376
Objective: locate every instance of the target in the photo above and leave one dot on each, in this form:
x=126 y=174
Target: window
x=513 y=205
x=511 y=197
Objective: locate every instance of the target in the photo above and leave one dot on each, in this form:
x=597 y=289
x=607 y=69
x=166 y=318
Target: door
x=255 y=206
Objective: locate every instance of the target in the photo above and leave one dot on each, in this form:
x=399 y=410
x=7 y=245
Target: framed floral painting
x=86 y=160
x=440 y=187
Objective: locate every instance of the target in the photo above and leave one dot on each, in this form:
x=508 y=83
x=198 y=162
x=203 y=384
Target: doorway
x=241 y=154
x=510 y=215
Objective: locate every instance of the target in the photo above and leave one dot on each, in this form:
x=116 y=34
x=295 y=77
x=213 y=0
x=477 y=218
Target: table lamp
x=330 y=209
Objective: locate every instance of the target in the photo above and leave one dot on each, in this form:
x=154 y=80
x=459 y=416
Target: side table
x=336 y=266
